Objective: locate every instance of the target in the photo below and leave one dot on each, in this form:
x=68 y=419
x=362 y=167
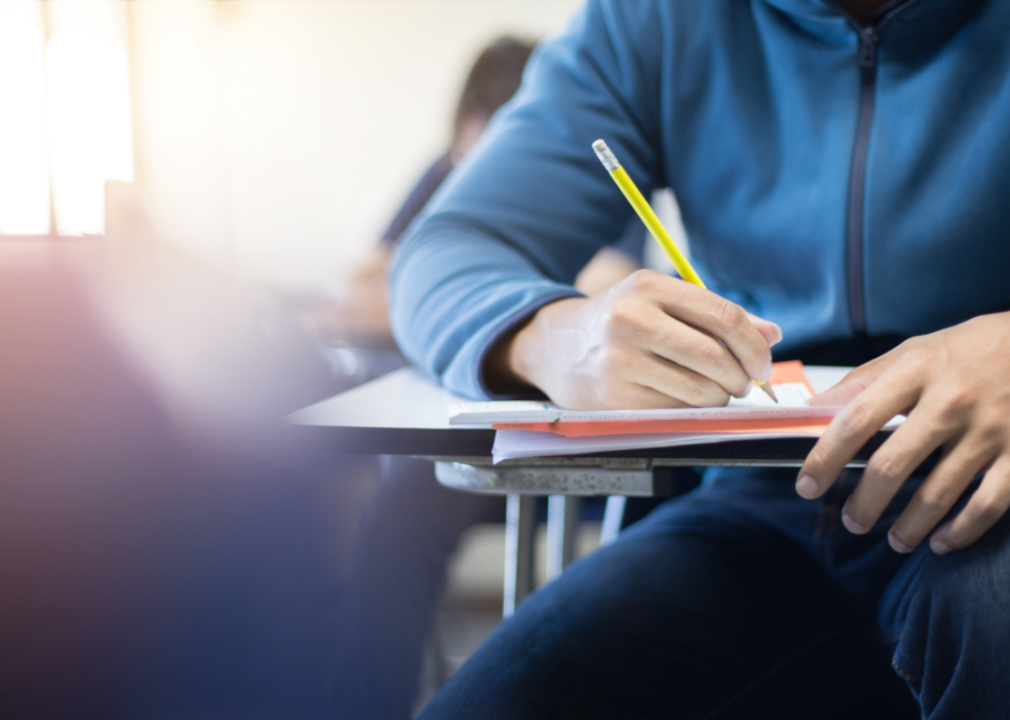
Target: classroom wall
x=279 y=135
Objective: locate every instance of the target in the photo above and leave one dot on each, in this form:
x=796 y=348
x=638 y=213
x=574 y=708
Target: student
x=841 y=170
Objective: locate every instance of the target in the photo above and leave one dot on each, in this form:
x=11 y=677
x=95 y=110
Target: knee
x=954 y=617
x=973 y=583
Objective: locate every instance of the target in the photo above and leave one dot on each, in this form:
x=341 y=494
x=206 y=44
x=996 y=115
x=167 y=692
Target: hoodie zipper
x=869 y=43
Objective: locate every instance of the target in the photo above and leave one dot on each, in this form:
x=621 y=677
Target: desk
x=402 y=413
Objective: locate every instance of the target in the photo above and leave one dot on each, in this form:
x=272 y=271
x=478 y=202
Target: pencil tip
x=767 y=387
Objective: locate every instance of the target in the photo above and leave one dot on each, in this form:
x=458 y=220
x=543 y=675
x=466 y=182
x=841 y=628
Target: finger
x=888 y=469
x=771 y=332
x=723 y=319
x=701 y=353
x=856 y=381
x=679 y=383
x=632 y=396
x=937 y=495
x=987 y=505
x=852 y=427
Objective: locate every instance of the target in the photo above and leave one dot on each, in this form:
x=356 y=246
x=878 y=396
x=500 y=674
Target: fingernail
x=939 y=547
x=806 y=487
x=898 y=545
x=852 y=526
x=766 y=374
x=778 y=337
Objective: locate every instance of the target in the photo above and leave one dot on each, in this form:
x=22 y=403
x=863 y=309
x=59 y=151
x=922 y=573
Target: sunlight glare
x=24 y=171
x=89 y=126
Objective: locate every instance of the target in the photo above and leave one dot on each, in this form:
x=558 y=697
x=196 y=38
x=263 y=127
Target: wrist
x=520 y=358
x=529 y=354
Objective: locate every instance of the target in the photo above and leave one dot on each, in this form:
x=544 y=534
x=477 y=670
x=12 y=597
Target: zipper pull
x=869 y=39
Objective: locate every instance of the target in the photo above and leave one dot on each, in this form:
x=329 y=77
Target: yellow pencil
x=655 y=227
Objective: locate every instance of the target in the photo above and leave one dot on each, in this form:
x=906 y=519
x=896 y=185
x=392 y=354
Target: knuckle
x=623 y=317
x=729 y=315
x=988 y=507
x=707 y=395
x=990 y=432
x=888 y=467
x=957 y=398
x=853 y=419
x=641 y=280
x=711 y=354
x=934 y=502
x=915 y=357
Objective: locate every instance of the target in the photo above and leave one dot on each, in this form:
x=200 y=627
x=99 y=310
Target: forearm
x=455 y=296
x=528 y=208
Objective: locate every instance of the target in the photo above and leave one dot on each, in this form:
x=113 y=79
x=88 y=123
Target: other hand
x=954 y=386
x=650 y=341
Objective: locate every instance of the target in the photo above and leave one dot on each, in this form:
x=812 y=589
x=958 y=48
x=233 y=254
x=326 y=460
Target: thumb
x=772 y=332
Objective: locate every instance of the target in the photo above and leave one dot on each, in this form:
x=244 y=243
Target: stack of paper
x=536 y=429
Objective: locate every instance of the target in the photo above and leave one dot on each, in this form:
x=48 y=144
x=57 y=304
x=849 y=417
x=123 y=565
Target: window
x=64 y=114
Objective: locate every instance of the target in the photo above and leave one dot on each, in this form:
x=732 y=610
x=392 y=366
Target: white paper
x=757 y=405
x=513 y=444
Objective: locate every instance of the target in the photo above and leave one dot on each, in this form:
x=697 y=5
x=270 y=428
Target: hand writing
x=650 y=341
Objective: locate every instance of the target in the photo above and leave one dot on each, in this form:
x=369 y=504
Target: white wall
x=280 y=135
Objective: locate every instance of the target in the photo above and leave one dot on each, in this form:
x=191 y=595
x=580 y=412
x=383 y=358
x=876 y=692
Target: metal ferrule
x=606 y=156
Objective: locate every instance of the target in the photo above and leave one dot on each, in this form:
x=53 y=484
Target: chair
x=564 y=481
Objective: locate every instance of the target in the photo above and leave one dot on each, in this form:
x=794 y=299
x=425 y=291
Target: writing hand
x=650 y=341
x=954 y=386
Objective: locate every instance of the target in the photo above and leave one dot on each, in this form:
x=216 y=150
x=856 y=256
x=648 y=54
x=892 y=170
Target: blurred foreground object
x=161 y=553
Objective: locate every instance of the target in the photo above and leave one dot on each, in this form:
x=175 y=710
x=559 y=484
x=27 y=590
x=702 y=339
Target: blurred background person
x=357 y=311
x=412 y=525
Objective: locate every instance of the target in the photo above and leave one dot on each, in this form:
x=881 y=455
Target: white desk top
x=405 y=400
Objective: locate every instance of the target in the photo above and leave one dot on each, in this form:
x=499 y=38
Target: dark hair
x=493 y=79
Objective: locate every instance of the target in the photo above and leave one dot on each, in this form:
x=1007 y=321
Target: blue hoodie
x=841 y=181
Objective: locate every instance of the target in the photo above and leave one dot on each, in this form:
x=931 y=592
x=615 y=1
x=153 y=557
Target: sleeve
x=526 y=210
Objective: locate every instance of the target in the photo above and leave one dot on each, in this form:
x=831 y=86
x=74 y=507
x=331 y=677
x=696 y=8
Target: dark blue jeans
x=741 y=600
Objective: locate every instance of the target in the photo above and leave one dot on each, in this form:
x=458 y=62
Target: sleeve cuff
x=506 y=326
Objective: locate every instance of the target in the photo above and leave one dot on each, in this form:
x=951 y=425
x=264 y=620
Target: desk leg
x=562 y=519
x=520 y=522
x=613 y=518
